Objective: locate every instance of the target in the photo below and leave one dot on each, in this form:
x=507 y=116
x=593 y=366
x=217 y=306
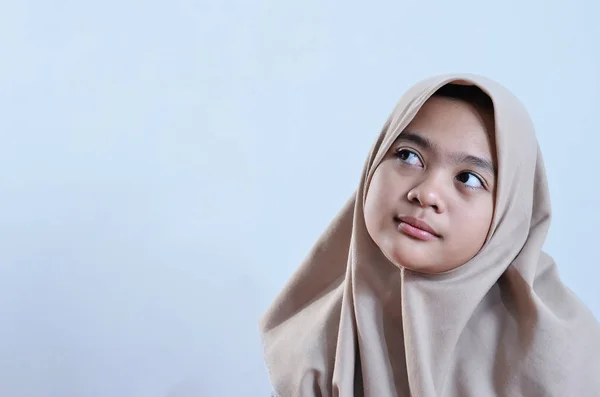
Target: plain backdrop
x=166 y=165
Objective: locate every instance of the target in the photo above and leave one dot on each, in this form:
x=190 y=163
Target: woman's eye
x=409 y=157
x=470 y=180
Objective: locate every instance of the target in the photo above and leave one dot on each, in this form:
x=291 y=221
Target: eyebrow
x=456 y=157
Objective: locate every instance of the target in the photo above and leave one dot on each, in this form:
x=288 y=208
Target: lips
x=416 y=228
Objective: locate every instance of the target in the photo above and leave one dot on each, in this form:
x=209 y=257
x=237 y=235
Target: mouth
x=415 y=228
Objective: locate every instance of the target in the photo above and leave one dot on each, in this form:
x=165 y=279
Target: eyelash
x=399 y=151
x=483 y=185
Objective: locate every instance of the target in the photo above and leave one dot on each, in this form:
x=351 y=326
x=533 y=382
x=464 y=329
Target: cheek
x=475 y=220
x=378 y=201
x=382 y=186
x=372 y=204
x=385 y=184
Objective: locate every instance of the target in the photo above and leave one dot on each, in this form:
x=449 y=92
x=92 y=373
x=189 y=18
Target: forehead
x=454 y=125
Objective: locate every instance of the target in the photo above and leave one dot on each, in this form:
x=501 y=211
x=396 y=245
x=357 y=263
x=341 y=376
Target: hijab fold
x=351 y=323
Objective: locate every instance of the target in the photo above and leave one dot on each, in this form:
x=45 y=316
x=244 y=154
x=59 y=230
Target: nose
x=428 y=193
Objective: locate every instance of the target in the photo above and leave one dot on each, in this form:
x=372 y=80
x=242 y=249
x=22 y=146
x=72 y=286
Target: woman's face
x=430 y=203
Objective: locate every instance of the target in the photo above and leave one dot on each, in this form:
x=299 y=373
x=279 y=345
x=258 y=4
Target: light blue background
x=165 y=166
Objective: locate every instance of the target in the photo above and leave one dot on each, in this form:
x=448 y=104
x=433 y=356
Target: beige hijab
x=350 y=323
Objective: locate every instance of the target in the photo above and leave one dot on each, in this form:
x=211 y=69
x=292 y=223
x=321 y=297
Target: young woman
x=431 y=280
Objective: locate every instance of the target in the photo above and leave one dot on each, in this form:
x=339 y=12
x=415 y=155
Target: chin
x=417 y=268
x=414 y=264
x=425 y=267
